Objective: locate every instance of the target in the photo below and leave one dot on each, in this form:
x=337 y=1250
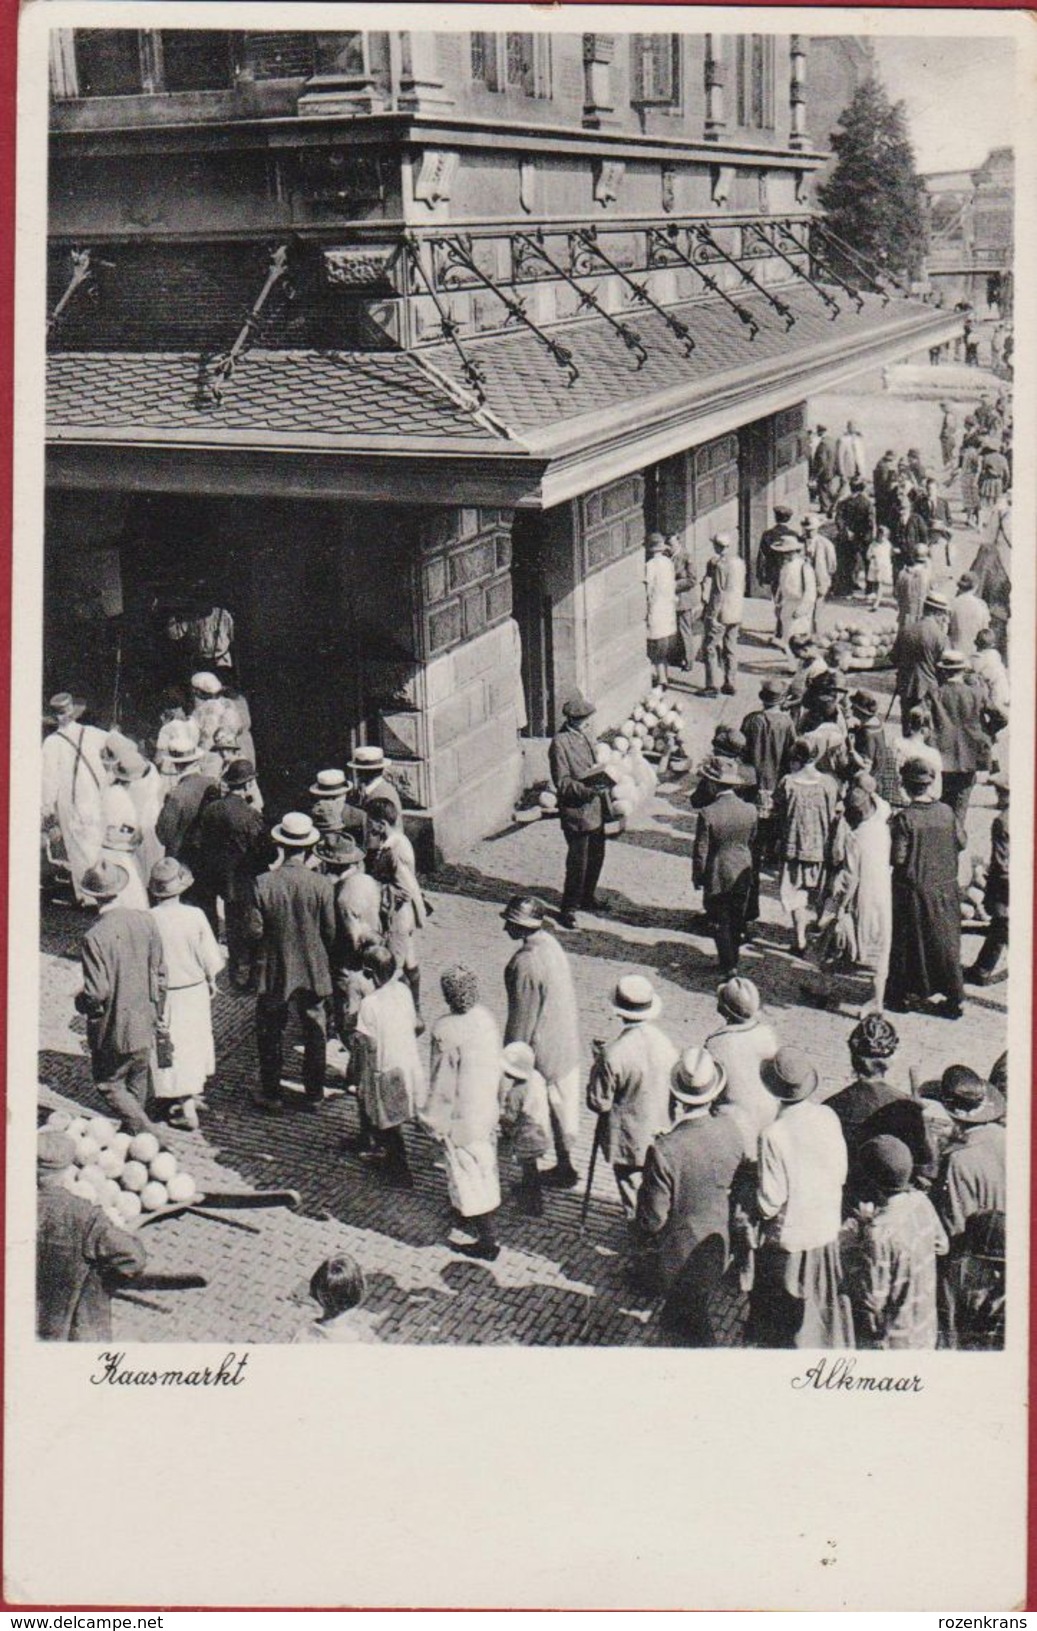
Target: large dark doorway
x=754 y=474
x=531 y=608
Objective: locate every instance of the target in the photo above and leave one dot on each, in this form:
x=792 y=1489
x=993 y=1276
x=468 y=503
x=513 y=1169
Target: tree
x=874 y=200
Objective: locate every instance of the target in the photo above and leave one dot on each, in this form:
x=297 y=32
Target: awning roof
x=412 y=406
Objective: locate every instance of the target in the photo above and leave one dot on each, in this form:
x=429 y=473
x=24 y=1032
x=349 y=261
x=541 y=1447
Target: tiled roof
x=528 y=390
x=352 y=395
x=395 y=401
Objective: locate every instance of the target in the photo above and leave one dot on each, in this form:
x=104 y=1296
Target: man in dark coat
x=884 y=486
x=578 y=782
x=79 y=1252
x=917 y=651
x=723 y=862
x=769 y=733
x=855 y=518
x=767 y=563
x=231 y=845
x=294 y=918
x=925 y=959
x=123 y=995
x=824 y=470
x=683 y=1205
x=957 y=709
x=177 y=826
x=869 y=748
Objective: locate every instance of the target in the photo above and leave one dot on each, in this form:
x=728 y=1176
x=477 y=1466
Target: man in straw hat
x=723 y=601
x=542 y=1010
x=917 y=651
x=581 y=811
x=175 y=826
x=683 y=1202
x=370 y=782
x=293 y=918
x=889 y=1249
x=957 y=715
x=795 y=588
x=796 y=1297
x=230 y=852
x=925 y=955
x=193 y=960
x=723 y=862
x=629 y=1084
x=73 y=786
x=972 y=1178
x=332 y=811
x=79 y=1251
x=123 y=995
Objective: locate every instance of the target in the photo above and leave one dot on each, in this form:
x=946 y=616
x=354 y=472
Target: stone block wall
x=610 y=537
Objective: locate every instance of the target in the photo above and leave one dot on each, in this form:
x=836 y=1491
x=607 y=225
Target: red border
x=9 y=11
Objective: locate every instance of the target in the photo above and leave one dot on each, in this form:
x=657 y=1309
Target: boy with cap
x=683 y=1203
x=525 y=1122
x=889 y=1249
x=629 y=1084
x=79 y=1251
x=576 y=777
x=293 y=919
x=542 y=1011
x=123 y=995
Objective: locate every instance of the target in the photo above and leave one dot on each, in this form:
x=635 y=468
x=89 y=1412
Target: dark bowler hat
x=864 y=705
x=577 y=706
x=721 y=771
x=771 y=691
x=789 y=1075
x=885 y=1164
x=104 y=881
x=169 y=877
x=782 y=512
x=916 y=773
x=238 y=773
x=340 y=850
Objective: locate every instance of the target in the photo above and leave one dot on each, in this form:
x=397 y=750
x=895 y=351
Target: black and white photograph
x=526 y=639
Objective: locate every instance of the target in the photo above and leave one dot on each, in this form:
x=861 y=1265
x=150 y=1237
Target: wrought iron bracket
x=776 y=249
x=665 y=240
x=82 y=274
x=588 y=237
x=531 y=245
x=447 y=326
x=704 y=236
x=222 y=366
x=458 y=252
x=875 y=276
x=827 y=268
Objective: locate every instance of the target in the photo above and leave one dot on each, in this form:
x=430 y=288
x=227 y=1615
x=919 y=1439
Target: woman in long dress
x=463 y=1111
x=193 y=960
x=386 y=1068
x=661 y=608
x=805 y=807
x=862 y=891
x=925 y=959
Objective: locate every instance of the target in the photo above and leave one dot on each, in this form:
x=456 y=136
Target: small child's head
x=338 y=1285
x=379 y=964
x=382 y=818
x=985 y=640
x=917 y=722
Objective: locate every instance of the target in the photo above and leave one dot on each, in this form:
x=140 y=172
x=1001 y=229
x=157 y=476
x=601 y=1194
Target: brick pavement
x=552 y=1284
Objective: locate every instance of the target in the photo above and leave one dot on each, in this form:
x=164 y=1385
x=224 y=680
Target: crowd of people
x=868 y=1218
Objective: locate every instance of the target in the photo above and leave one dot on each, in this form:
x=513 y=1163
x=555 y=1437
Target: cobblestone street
x=552 y=1283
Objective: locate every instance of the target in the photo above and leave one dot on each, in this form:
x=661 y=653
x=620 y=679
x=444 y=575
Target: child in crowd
x=340 y=1288
x=525 y=1122
x=880 y=568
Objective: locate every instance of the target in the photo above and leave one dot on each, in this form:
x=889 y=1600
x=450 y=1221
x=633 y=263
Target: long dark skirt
x=796 y=1300
x=925 y=957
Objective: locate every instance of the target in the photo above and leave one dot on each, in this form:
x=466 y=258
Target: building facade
x=972 y=232
x=398 y=343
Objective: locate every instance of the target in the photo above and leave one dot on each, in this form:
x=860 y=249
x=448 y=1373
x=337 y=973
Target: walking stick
x=599 y=1135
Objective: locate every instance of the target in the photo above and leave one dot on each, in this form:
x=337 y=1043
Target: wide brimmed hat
x=721 y=540
x=238 y=773
x=328 y=783
x=63 y=705
x=104 y=881
x=339 y=849
x=169 y=877
x=524 y=912
x=722 y=771
x=577 y=706
x=206 y=684
x=968 y=1098
x=771 y=690
x=182 y=747
x=123 y=835
x=789 y=544
x=951 y=660
x=518 y=1061
x=789 y=1075
x=696 y=1079
x=864 y=704
x=935 y=602
x=368 y=758
x=917 y=773
x=296 y=831
x=636 y=998
x=873 y=1037
x=54 y=1151
x=885 y=1164
x=739 y=998
x=730 y=740
x=130 y=765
